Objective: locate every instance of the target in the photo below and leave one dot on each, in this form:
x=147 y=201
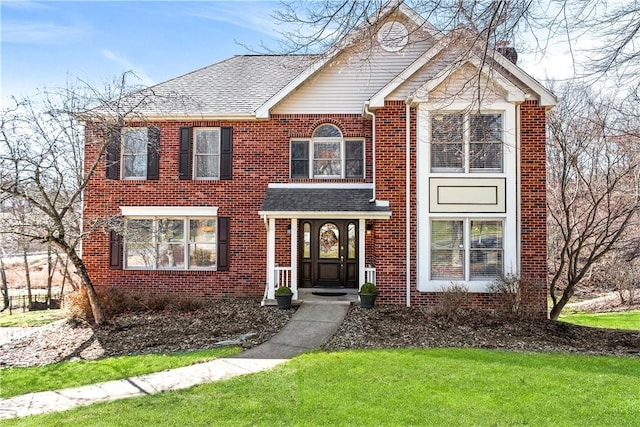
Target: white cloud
x=38 y=32
x=251 y=15
x=128 y=66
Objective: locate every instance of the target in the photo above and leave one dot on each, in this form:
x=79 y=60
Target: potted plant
x=368 y=292
x=283 y=297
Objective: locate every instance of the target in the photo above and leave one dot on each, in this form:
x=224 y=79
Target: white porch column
x=271 y=258
x=361 y=259
x=294 y=257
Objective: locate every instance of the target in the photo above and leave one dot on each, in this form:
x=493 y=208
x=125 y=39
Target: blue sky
x=45 y=42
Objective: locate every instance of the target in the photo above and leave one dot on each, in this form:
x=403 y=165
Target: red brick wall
x=260 y=156
x=533 y=207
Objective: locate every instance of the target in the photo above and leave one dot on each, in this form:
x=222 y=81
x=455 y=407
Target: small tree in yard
x=593 y=196
x=42 y=165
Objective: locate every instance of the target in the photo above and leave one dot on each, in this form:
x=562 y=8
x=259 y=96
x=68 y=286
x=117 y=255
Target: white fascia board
x=332 y=185
x=324 y=215
x=377 y=100
x=148 y=211
x=547 y=98
x=514 y=93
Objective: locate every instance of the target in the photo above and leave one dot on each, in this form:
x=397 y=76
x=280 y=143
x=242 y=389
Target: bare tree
x=593 y=169
x=42 y=164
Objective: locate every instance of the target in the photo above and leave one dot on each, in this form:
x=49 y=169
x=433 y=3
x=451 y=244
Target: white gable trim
x=514 y=94
x=262 y=112
x=377 y=100
x=547 y=98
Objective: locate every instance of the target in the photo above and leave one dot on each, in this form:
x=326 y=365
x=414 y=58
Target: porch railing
x=282 y=277
x=370 y=275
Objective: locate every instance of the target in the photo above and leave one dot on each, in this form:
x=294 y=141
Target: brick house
x=401 y=157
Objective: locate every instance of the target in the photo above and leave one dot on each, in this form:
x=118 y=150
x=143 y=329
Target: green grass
x=30 y=318
x=433 y=387
x=15 y=381
x=617 y=320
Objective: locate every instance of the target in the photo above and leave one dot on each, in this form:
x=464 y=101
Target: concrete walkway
x=311 y=325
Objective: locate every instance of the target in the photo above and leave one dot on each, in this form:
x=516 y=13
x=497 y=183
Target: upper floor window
x=134 y=153
x=327 y=155
x=206 y=155
x=466 y=143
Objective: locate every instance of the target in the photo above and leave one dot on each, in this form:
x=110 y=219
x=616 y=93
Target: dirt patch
x=382 y=327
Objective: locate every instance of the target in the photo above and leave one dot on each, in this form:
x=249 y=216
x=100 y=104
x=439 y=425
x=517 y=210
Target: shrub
x=452 y=298
x=284 y=290
x=509 y=287
x=368 y=288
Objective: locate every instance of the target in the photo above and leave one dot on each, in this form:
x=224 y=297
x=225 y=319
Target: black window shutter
x=112 y=158
x=223 y=243
x=184 y=162
x=226 y=148
x=153 y=153
x=115 y=250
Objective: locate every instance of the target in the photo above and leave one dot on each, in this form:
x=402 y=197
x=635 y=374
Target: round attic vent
x=393 y=36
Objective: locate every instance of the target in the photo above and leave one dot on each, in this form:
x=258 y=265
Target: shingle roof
x=237 y=85
x=320 y=200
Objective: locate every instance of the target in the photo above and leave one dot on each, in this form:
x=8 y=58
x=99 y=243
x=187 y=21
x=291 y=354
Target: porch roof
x=309 y=202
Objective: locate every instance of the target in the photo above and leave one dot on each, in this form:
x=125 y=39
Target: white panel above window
x=467 y=195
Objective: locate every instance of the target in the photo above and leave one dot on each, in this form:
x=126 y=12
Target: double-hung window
x=171 y=243
x=466 y=249
x=206 y=153
x=327 y=155
x=134 y=153
x=466 y=143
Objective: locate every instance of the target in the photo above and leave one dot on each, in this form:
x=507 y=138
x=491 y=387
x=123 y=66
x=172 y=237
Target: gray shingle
x=237 y=85
x=319 y=200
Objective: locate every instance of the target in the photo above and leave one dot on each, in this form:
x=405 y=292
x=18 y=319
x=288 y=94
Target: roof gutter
x=373 y=147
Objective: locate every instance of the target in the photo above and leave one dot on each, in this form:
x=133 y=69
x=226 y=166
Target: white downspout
x=373 y=147
x=408 y=199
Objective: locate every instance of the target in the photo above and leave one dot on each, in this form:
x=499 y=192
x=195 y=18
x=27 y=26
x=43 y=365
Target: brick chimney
x=507 y=51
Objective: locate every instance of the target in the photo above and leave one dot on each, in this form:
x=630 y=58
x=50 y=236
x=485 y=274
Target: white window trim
x=122 y=154
x=194 y=154
x=466 y=234
x=511 y=258
x=466 y=143
x=167 y=211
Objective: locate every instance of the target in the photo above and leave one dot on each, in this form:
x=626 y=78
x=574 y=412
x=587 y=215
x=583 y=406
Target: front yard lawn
x=614 y=320
x=433 y=387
